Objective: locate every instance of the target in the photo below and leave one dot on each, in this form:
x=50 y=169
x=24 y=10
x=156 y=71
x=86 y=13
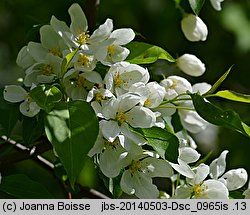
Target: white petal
x=201 y=87
x=123 y=36
x=213 y=189
x=98 y=146
x=182 y=192
x=37 y=51
x=14 y=93
x=78 y=19
x=29 y=109
x=235 y=178
x=188 y=154
x=139 y=185
x=110 y=129
x=128 y=101
x=109 y=163
x=49 y=38
x=157 y=167
x=141 y=117
x=24 y=59
x=102 y=32
x=216 y=4
x=183 y=169
x=218 y=165
x=93 y=77
x=201 y=172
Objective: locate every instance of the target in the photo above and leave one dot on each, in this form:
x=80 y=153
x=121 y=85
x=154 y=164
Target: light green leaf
x=217 y=116
x=234 y=96
x=72 y=128
x=20 y=186
x=46 y=96
x=67 y=60
x=144 y=53
x=196 y=5
x=218 y=82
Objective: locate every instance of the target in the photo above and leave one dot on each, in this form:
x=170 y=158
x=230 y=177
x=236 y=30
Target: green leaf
x=218 y=82
x=67 y=60
x=163 y=142
x=234 y=96
x=196 y=5
x=20 y=186
x=46 y=96
x=9 y=114
x=144 y=53
x=72 y=128
x=32 y=128
x=217 y=116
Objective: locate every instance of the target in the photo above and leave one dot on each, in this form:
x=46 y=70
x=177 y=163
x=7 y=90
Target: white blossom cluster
x=125 y=98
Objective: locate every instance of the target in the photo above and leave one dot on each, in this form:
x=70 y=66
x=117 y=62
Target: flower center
x=83 y=38
x=198 y=189
x=80 y=81
x=113 y=144
x=135 y=166
x=99 y=97
x=83 y=59
x=118 y=81
x=121 y=118
x=147 y=103
x=111 y=50
x=56 y=52
x=47 y=69
x=28 y=98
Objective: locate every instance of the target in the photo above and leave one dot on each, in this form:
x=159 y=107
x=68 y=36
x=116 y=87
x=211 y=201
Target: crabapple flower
x=216 y=4
x=233 y=179
x=84 y=62
x=200 y=188
x=152 y=93
x=122 y=75
x=194 y=28
x=191 y=65
x=137 y=178
x=78 y=83
x=125 y=110
x=45 y=71
x=14 y=93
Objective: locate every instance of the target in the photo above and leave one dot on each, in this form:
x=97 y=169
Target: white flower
x=13 y=93
x=24 y=59
x=152 y=93
x=45 y=71
x=121 y=76
x=137 y=178
x=200 y=188
x=216 y=4
x=194 y=28
x=84 y=62
x=201 y=87
x=78 y=83
x=233 y=179
x=191 y=65
x=122 y=111
x=175 y=85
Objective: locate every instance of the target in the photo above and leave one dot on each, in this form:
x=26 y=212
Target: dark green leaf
x=196 y=5
x=72 y=128
x=46 y=96
x=144 y=53
x=20 y=186
x=67 y=60
x=218 y=82
x=163 y=142
x=217 y=116
x=33 y=128
x=9 y=114
x=234 y=96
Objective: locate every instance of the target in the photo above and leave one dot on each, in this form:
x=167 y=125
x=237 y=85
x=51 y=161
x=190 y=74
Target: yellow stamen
x=198 y=190
x=56 y=51
x=111 y=50
x=80 y=81
x=135 y=166
x=147 y=103
x=83 y=59
x=47 y=69
x=121 y=118
x=83 y=38
x=118 y=81
x=99 y=97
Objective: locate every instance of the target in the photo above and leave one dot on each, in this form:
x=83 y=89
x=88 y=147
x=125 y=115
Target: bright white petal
x=128 y=101
x=141 y=117
x=102 y=32
x=188 y=154
x=235 y=178
x=110 y=129
x=182 y=192
x=201 y=172
x=201 y=88
x=29 y=109
x=183 y=169
x=14 y=93
x=24 y=59
x=213 y=189
x=123 y=36
x=37 y=51
x=218 y=165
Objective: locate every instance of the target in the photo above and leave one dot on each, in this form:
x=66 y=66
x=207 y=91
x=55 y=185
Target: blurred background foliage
x=158 y=23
